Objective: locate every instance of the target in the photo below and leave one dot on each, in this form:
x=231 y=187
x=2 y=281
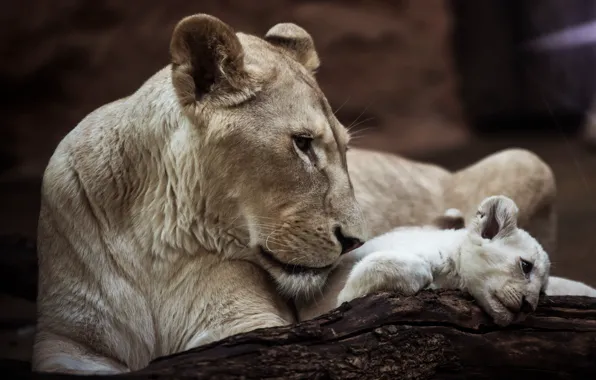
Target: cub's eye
x=303 y=143
x=526 y=266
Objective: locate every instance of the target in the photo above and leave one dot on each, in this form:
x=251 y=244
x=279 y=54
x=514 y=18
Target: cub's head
x=271 y=151
x=502 y=266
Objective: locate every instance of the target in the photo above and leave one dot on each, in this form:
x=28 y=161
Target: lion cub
x=500 y=265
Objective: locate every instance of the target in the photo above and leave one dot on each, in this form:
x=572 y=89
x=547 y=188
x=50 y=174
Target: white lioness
x=214 y=197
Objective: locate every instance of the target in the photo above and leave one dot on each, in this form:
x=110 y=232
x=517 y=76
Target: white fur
x=558 y=286
x=410 y=259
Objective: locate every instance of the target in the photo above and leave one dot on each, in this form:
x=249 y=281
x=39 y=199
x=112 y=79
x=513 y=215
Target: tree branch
x=434 y=335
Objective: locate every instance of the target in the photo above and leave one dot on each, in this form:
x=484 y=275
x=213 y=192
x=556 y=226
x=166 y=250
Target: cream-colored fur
x=165 y=214
x=218 y=194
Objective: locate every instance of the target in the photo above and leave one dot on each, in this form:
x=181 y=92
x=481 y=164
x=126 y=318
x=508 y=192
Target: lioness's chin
x=302 y=286
x=295 y=281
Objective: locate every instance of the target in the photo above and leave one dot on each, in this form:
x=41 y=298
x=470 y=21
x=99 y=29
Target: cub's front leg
x=401 y=272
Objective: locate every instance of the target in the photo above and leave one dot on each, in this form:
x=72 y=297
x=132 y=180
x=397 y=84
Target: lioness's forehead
x=291 y=92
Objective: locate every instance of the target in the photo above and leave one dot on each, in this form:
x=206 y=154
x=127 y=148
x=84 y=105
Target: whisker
x=259 y=224
x=264 y=226
x=280 y=245
x=361 y=113
x=278 y=242
x=359 y=133
x=340 y=107
x=297 y=258
x=359 y=123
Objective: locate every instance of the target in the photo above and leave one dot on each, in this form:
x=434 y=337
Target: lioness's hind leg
x=451 y=219
x=519 y=174
x=61 y=355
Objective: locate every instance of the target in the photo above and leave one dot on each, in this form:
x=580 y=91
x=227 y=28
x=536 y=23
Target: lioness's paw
x=386 y=271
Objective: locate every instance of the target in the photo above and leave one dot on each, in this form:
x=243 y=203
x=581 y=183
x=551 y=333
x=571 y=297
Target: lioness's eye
x=303 y=143
x=526 y=266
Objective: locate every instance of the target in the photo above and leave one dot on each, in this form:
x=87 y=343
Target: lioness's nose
x=348 y=243
x=526 y=307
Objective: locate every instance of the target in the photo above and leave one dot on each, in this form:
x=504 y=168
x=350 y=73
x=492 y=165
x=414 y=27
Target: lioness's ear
x=296 y=42
x=496 y=216
x=207 y=57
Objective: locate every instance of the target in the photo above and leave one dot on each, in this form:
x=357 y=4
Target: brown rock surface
x=387 y=63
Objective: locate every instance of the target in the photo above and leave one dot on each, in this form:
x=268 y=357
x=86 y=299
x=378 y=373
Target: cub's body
x=501 y=265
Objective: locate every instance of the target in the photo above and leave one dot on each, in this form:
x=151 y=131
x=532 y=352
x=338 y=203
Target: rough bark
x=435 y=335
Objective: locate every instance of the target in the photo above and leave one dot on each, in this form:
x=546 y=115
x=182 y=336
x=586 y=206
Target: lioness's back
x=384 y=181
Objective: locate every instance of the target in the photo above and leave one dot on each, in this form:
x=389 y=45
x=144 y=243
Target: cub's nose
x=526 y=307
x=348 y=243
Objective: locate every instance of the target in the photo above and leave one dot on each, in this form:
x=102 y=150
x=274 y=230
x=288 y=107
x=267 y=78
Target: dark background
x=444 y=81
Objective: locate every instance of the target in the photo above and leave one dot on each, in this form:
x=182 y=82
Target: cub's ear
x=496 y=216
x=296 y=42
x=207 y=58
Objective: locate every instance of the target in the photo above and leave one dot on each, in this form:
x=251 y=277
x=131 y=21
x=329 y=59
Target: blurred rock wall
x=387 y=64
x=512 y=83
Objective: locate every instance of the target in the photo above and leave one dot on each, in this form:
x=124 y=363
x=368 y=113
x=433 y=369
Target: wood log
x=434 y=335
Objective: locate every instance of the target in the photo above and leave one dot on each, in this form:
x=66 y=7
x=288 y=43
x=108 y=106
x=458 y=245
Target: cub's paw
x=386 y=271
x=506 y=305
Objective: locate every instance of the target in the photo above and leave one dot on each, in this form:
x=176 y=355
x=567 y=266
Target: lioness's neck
x=171 y=178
